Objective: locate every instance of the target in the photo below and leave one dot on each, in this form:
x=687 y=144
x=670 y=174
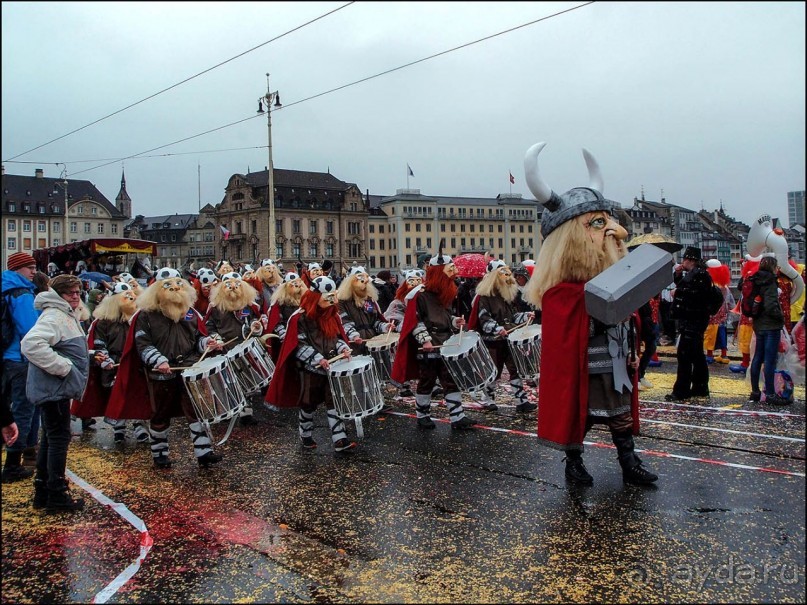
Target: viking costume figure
x=167 y=332
x=397 y=309
x=232 y=317
x=493 y=314
x=203 y=284
x=358 y=308
x=312 y=272
x=428 y=323
x=107 y=337
x=314 y=336
x=223 y=267
x=128 y=279
x=267 y=280
x=715 y=336
x=586 y=377
x=284 y=302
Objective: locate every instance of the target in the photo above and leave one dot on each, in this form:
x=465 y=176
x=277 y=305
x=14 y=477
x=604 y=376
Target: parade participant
x=397 y=309
x=585 y=377
x=693 y=285
x=428 y=323
x=313 y=271
x=203 y=283
x=358 y=308
x=266 y=281
x=57 y=350
x=284 y=302
x=107 y=336
x=223 y=267
x=128 y=278
x=386 y=284
x=767 y=329
x=493 y=314
x=18 y=298
x=745 y=327
x=715 y=336
x=166 y=333
x=232 y=317
x=314 y=336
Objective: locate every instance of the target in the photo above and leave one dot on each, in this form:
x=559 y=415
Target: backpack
x=715 y=300
x=748 y=306
x=8 y=328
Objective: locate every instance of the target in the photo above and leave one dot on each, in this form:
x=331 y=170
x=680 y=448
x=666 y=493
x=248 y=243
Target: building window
x=312 y=250
x=278 y=251
x=26 y=226
x=41 y=243
x=73 y=227
x=56 y=241
x=93 y=210
x=329 y=250
x=355 y=250
x=278 y=226
x=100 y=228
x=295 y=226
x=81 y=209
x=87 y=228
x=295 y=250
x=312 y=227
x=12 y=207
x=57 y=227
x=254 y=226
x=40 y=226
x=12 y=225
x=41 y=208
x=173 y=237
x=114 y=228
x=26 y=243
x=12 y=243
x=329 y=227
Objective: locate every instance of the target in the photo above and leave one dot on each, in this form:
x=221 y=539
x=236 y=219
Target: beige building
x=408 y=224
x=317 y=217
x=34 y=218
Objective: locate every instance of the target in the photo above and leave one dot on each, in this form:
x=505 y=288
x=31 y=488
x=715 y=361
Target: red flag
x=225 y=232
x=512 y=179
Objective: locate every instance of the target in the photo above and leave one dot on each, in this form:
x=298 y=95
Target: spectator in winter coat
x=56 y=348
x=767 y=328
x=18 y=294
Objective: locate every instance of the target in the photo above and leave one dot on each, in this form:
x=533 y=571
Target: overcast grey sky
x=705 y=101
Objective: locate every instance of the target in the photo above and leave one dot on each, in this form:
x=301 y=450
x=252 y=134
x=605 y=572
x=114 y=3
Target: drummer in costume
x=166 y=333
x=107 y=336
x=233 y=315
x=203 y=283
x=313 y=336
x=266 y=281
x=285 y=301
x=397 y=309
x=493 y=313
x=358 y=308
x=313 y=271
x=428 y=323
x=586 y=378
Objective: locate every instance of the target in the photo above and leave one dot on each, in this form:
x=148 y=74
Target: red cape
x=473 y=319
x=285 y=388
x=273 y=319
x=95 y=399
x=130 y=396
x=563 y=381
x=405 y=366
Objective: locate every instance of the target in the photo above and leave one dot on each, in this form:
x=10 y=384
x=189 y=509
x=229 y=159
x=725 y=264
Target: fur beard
x=493 y=284
x=234 y=300
x=270 y=278
x=174 y=305
x=327 y=319
x=402 y=291
x=288 y=296
x=441 y=285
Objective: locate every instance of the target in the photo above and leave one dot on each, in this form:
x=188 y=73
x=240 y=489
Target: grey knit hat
x=577 y=201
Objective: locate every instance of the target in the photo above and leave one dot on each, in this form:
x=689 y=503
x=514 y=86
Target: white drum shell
x=525 y=347
x=355 y=387
x=214 y=390
x=382 y=349
x=252 y=365
x=469 y=362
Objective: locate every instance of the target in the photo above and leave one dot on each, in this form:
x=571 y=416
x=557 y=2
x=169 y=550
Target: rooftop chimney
x=39 y=173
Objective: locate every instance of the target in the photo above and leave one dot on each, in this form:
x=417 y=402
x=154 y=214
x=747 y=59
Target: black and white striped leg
x=337 y=426
x=119 y=430
x=524 y=404
x=140 y=432
x=306 y=422
x=423 y=405
x=454 y=405
x=201 y=441
x=159 y=446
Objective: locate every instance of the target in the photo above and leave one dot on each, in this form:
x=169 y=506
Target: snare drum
x=469 y=362
x=525 y=347
x=252 y=365
x=355 y=388
x=382 y=349
x=214 y=390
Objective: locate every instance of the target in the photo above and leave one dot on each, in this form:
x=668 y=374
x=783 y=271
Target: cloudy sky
x=704 y=102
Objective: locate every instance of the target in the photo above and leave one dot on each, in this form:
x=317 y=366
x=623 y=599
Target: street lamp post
x=63 y=176
x=272 y=100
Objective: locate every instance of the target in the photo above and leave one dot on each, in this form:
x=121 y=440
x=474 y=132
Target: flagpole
x=407 y=176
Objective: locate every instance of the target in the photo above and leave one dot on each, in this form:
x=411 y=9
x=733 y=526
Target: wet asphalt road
x=438 y=516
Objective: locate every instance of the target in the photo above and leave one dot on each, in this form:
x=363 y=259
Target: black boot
x=632 y=470
x=209 y=458
x=40 y=493
x=62 y=501
x=13 y=469
x=575 y=469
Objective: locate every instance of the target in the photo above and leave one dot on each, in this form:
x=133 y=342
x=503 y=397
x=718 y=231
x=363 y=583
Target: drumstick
x=391 y=325
x=526 y=323
x=340 y=356
x=434 y=347
x=460 y=343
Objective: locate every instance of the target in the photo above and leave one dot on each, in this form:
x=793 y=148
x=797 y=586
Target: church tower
x=123 y=202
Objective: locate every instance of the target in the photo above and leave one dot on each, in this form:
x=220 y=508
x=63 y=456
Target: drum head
x=453 y=348
x=354 y=365
x=239 y=349
x=382 y=341
x=525 y=334
x=206 y=367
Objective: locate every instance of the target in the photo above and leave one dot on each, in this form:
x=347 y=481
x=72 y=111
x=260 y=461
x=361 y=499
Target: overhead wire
x=344 y=86
x=209 y=69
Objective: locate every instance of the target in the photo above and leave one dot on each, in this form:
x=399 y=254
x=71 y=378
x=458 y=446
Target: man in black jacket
x=692 y=286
